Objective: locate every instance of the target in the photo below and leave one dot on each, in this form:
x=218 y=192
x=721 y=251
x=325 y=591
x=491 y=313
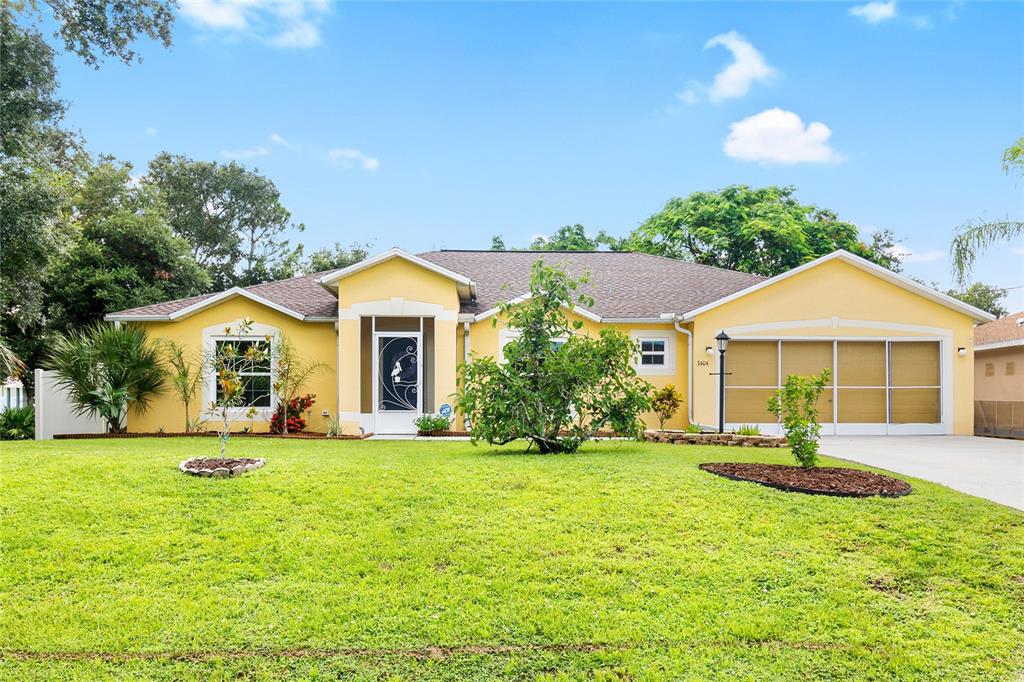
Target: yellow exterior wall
x=395 y=287
x=314 y=341
x=485 y=339
x=834 y=289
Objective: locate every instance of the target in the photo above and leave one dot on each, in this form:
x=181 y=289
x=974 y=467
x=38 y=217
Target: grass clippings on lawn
x=438 y=560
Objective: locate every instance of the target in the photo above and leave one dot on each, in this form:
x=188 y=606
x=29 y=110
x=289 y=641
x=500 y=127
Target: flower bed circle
x=220 y=467
x=835 y=481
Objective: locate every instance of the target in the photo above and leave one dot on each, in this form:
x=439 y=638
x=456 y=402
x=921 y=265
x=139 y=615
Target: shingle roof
x=1009 y=328
x=621 y=284
x=303 y=295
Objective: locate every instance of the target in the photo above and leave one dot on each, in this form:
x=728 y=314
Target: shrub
x=185 y=371
x=797 y=405
x=665 y=403
x=295 y=422
x=555 y=394
x=106 y=369
x=748 y=430
x=433 y=422
x=18 y=423
x=290 y=373
x=334 y=428
x=694 y=428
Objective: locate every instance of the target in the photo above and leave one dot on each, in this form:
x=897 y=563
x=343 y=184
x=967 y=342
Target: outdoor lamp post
x=723 y=343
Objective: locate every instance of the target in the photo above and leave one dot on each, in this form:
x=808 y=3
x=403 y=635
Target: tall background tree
x=571 y=238
x=335 y=258
x=763 y=231
x=975 y=237
x=232 y=217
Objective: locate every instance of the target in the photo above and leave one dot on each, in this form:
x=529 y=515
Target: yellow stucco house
x=393 y=329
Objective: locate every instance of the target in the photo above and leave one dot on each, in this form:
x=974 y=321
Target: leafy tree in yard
x=547 y=386
x=797 y=405
x=337 y=258
x=93 y=30
x=231 y=216
x=977 y=236
x=107 y=369
x=230 y=362
x=570 y=238
x=985 y=296
x=665 y=403
x=763 y=231
x=125 y=255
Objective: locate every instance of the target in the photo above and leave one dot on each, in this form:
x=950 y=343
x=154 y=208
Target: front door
x=397 y=386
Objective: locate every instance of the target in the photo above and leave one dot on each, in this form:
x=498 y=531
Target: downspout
x=465 y=361
x=689 y=368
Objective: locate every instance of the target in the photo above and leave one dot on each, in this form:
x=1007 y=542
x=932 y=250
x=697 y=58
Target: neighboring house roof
x=893 y=277
x=1002 y=333
x=623 y=285
x=301 y=297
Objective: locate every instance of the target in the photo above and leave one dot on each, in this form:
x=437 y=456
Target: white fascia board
x=332 y=277
x=231 y=293
x=866 y=265
x=113 y=317
x=582 y=312
x=999 y=344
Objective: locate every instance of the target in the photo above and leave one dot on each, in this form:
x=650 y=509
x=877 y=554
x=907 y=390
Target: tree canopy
x=985 y=296
x=763 y=231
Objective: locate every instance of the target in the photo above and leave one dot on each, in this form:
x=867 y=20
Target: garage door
x=875 y=386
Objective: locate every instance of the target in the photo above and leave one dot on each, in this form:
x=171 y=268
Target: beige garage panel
x=914 y=396
x=805 y=358
x=753 y=378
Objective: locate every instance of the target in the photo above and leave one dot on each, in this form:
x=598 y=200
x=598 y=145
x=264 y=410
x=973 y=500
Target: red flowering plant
x=294 y=422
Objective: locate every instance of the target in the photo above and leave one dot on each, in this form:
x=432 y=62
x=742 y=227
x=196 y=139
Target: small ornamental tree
x=796 y=403
x=666 y=402
x=290 y=374
x=185 y=371
x=556 y=388
x=230 y=361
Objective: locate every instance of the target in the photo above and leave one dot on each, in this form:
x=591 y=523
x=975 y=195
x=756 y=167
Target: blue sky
x=430 y=125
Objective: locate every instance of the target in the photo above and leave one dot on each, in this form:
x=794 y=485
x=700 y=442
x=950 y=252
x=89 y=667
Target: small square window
x=1011 y=369
x=652 y=352
x=990 y=369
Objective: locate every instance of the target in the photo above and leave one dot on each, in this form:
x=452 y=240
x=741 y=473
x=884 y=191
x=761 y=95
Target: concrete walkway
x=992 y=468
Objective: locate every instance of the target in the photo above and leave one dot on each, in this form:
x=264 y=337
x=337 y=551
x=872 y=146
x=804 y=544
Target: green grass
x=366 y=559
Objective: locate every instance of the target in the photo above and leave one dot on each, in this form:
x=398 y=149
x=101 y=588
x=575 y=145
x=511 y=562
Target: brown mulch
x=836 y=481
x=218 y=462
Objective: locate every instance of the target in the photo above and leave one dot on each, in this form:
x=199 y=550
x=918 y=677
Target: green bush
x=797 y=404
x=18 y=423
x=748 y=430
x=694 y=428
x=557 y=387
x=665 y=403
x=433 y=422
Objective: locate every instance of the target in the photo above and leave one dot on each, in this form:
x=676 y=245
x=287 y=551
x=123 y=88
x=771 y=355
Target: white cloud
x=922 y=22
x=908 y=255
x=151 y=131
x=347 y=157
x=688 y=96
x=1017 y=250
x=780 y=137
x=277 y=139
x=748 y=66
x=875 y=12
x=245 y=153
x=281 y=23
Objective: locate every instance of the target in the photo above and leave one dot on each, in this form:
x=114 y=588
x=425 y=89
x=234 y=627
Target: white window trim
x=257 y=332
x=505 y=334
x=669 y=337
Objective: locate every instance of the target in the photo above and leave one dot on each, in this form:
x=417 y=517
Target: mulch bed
x=302 y=435
x=217 y=466
x=834 y=481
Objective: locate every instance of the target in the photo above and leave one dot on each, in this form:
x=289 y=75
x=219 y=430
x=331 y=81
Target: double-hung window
x=656 y=354
x=255 y=375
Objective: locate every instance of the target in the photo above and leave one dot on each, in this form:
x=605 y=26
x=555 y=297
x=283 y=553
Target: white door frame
x=396 y=421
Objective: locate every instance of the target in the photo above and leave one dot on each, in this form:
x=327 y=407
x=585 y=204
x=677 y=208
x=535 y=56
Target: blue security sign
x=445 y=410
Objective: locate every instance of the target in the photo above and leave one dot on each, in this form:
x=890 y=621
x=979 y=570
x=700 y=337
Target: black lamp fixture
x=722 y=340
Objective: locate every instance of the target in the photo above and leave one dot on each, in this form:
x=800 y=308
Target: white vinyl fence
x=54 y=414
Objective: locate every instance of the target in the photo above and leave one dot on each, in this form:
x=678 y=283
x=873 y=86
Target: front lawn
x=372 y=559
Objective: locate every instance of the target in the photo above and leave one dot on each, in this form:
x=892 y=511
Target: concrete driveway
x=992 y=468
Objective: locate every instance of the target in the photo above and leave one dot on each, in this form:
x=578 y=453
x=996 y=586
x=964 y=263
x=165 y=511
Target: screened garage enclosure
x=887 y=386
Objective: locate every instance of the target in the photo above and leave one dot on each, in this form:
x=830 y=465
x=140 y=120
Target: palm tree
x=11 y=365
x=186 y=375
x=105 y=369
x=975 y=237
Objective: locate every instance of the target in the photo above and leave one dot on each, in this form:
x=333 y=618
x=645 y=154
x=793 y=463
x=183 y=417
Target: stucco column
x=445 y=360
x=348 y=373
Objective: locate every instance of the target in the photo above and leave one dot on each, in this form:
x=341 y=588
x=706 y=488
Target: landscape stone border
x=735 y=439
x=220 y=472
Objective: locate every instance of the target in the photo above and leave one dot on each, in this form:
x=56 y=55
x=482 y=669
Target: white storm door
x=397 y=381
